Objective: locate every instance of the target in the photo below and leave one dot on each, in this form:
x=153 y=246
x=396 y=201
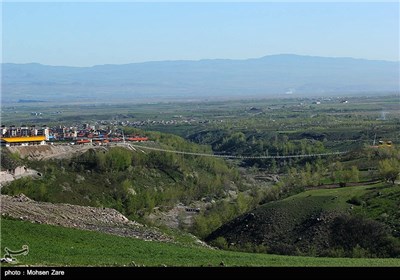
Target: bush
x=355 y=200
x=220 y=242
x=283 y=249
x=359 y=252
x=9 y=160
x=359 y=236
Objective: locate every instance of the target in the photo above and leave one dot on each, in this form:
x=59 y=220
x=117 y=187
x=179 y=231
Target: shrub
x=220 y=242
x=360 y=236
x=355 y=200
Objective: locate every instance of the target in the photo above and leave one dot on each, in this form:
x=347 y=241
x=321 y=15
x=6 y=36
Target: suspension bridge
x=134 y=147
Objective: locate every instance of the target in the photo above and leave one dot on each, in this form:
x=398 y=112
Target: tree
x=242 y=203
x=337 y=169
x=355 y=174
x=118 y=159
x=389 y=169
x=101 y=162
x=9 y=160
x=274 y=168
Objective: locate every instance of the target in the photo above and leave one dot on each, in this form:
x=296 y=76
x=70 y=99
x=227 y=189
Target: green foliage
x=355 y=200
x=315 y=223
x=221 y=213
x=355 y=174
x=220 y=242
x=256 y=143
x=382 y=204
x=386 y=153
x=9 y=160
x=389 y=169
x=362 y=237
x=86 y=248
x=132 y=182
x=359 y=252
x=118 y=159
x=135 y=182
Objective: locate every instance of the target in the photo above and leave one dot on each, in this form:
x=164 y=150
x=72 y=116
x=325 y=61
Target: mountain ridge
x=265 y=76
x=209 y=59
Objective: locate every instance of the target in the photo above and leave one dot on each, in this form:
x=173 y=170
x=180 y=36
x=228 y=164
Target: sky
x=94 y=33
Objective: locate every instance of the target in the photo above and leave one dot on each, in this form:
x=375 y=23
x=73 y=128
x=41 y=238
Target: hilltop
x=360 y=221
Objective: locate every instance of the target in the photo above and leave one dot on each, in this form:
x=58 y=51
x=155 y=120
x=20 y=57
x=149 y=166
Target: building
x=23 y=141
x=24 y=135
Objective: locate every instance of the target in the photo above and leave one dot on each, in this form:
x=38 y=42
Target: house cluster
x=150 y=122
x=83 y=134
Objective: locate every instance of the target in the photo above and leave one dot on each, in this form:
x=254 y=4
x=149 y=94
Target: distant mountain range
x=275 y=75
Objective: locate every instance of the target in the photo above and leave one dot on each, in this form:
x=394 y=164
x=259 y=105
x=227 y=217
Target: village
x=74 y=135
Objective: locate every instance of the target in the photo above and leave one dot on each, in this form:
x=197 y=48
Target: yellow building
x=23 y=141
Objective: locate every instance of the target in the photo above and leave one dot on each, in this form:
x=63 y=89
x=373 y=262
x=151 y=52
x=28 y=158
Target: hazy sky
x=85 y=34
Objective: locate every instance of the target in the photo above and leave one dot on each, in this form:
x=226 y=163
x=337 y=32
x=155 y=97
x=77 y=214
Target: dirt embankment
x=50 y=151
x=19 y=172
x=105 y=220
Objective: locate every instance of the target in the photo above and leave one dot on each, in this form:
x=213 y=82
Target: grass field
x=51 y=245
x=333 y=198
x=375 y=200
x=304 y=204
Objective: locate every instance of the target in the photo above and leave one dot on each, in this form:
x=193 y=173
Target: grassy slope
x=379 y=201
x=292 y=221
x=51 y=245
x=130 y=181
x=337 y=199
x=332 y=198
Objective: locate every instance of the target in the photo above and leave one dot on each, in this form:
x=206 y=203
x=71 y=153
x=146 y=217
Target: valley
x=287 y=176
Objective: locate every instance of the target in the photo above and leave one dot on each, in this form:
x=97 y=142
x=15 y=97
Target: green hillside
x=361 y=221
x=52 y=245
x=131 y=181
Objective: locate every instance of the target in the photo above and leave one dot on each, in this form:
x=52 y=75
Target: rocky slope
x=42 y=152
x=90 y=218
